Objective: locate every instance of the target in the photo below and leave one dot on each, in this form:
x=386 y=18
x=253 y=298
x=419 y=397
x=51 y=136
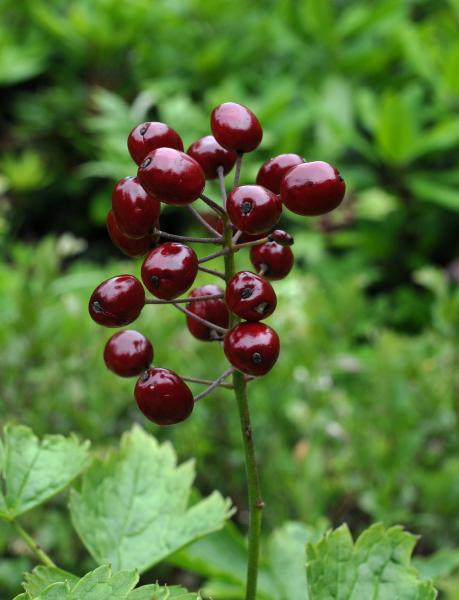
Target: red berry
x=163 y=397
x=210 y=155
x=136 y=212
x=273 y=170
x=313 y=188
x=129 y=246
x=281 y=237
x=149 y=136
x=250 y=296
x=252 y=348
x=253 y=208
x=117 y=301
x=128 y=353
x=169 y=270
x=235 y=127
x=214 y=311
x=171 y=176
x=274 y=260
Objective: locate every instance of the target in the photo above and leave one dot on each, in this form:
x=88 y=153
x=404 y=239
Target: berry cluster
x=246 y=218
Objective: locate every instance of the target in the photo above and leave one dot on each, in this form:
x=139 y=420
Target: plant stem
x=203 y=222
x=216 y=207
x=184 y=300
x=34 y=547
x=190 y=314
x=214 y=384
x=256 y=503
x=185 y=238
x=237 y=170
x=213 y=272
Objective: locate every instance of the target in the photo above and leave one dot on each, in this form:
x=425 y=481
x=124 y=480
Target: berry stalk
x=255 y=500
x=33 y=546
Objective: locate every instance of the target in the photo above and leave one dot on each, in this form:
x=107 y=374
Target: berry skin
x=281 y=237
x=171 y=176
x=169 y=270
x=117 y=301
x=252 y=348
x=214 y=311
x=129 y=246
x=273 y=170
x=253 y=209
x=210 y=155
x=250 y=296
x=149 y=136
x=235 y=127
x=128 y=353
x=136 y=212
x=313 y=188
x=275 y=260
x=163 y=397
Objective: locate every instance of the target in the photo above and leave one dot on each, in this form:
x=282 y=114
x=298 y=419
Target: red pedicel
x=133 y=247
x=149 y=136
x=128 y=353
x=273 y=170
x=252 y=348
x=210 y=155
x=163 y=397
x=313 y=188
x=172 y=176
x=136 y=211
x=274 y=260
x=250 y=297
x=214 y=311
x=117 y=301
x=253 y=208
x=235 y=127
x=169 y=270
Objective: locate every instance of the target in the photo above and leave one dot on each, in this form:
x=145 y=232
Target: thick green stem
x=34 y=547
x=256 y=503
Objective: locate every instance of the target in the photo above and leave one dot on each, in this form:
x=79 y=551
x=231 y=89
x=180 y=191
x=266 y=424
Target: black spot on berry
x=145 y=163
x=246 y=207
x=155 y=280
x=97 y=306
x=246 y=293
x=143 y=130
x=257 y=358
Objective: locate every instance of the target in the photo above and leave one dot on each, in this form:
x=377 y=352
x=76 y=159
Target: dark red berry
x=210 y=155
x=149 y=136
x=313 y=188
x=129 y=246
x=252 y=348
x=171 y=176
x=273 y=170
x=281 y=237
x=235 y=127
x=136 y=212
x=274 y=260
x=214 y=311
x=117 y=301
x=163 y=397
x=253 y=209
x=169 y=270
x=128 y=353
x=250 y=297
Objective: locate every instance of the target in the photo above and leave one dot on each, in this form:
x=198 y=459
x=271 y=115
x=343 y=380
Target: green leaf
x=132 y=510
x=441 y=564
x=377 y=566
x=430 y=190
x=156 y=592
x=42 y=577
x=34 y=470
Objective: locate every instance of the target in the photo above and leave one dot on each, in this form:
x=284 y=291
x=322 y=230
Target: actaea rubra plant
x=229 y=312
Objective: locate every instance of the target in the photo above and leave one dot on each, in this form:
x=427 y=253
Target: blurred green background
x=359 y=420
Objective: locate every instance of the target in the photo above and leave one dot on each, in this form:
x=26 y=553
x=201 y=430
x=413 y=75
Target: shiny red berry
x=214 y=311
x=117 y=301
x=128 y=353
x=274 y=260
x=171 y=176
x=133 y=247
x=281 y=237
x=135 y=210
x=252 y=348
x=253 y=208
x=149 y=136
x=163 y=397
x=250 y=297
x=313 y=188
x=273 y=170
x=170 y=270
x=235 y=127
x=210 y=155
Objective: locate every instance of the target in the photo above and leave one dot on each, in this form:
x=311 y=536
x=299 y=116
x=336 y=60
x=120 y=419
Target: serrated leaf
x=56 y=591
x=22 y=597
x=35 y=470
x=132 y=510
x=377 y=566
x=42 y=577
x=156 y=592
